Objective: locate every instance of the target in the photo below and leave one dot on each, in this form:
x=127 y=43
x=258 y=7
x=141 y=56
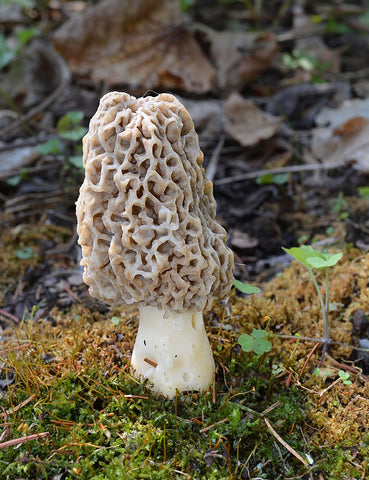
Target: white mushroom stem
x=172 y=351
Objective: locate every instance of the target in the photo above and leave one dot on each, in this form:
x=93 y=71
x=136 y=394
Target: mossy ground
x=69 y=376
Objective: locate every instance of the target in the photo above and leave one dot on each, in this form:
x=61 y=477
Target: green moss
x=104 y=424
x=97 y=431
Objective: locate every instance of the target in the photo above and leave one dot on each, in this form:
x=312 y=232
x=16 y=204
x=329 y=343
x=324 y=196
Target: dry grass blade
x=17 y=441
x=203 y=430
x=285 y=444
x=12 y=410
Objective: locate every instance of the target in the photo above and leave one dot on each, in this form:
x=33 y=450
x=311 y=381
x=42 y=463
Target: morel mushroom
x=146 y=224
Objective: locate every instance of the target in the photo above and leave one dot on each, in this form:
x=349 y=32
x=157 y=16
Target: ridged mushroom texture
x=146 y=225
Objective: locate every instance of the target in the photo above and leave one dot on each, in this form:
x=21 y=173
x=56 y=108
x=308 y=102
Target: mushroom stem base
x=172 y=351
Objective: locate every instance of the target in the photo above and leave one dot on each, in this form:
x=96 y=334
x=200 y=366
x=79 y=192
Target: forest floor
x=279 y=95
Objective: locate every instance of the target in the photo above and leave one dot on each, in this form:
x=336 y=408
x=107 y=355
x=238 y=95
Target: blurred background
x=278 y=91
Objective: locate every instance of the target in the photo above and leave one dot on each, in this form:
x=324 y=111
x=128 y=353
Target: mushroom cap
x=146 y=211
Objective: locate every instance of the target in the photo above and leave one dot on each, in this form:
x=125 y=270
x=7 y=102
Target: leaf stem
x=326 y=336
x=326 y=326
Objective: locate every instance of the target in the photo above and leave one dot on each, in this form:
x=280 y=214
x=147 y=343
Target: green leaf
x=277 y=179
x=25 y=253
x=255 y=342
x=14 y=181
x=6 y=54
x=301 y=253
x=363 y=192
x=69 y=120
x=246 y=287
x=50 y=146
x=345 y=377
x=312 y=258
x=25 y=35
x=325 y=261
x=76 y=161
x=257 y=333
x=115 y=320
x=75 y=134
x=246 y=342
x=262 y=346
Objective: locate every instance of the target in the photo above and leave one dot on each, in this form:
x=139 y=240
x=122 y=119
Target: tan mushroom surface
x=146 y=224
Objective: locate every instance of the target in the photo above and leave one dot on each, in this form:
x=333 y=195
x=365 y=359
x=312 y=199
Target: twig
x=18 y=441
x=71 y=293
x=211 y=169
x=272 y=407
x=343 y=366
x=16 y=348
x=150 y=362
x=309 y=357
x=203 y=430
x=9 y=315
x=273 y=171
x=285 y=444
x=18 y=407
x=141 y=397
x=322 y=340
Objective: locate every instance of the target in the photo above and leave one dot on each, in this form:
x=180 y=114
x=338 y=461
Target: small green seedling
x=363 y=192
x=311 y=259
x=340 y=206
x=302 y=60
x=26 y=253
x=256 y=342
x=115 y=320
x=246 y=287
x=345 y=377
x=68 y=128
x=22 y=37
x=276 y=179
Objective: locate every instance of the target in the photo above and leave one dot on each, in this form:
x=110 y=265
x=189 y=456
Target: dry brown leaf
x=243 y=241
x=352 y=126
x=247 y=123
x=240 y=57
x=207 y=115
x=344 y=147
x=139 y=44
x=335 y=117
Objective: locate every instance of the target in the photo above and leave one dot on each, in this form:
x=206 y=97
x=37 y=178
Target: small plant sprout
x=115 y=320
x=311 y=259
x=345 y=377
x=256 y=342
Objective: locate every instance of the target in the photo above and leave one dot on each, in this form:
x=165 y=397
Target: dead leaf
x=207 y=115
x=247 y=123
x=139 y=44
x=240 y=57
x=335 y=117
x=243 y=241
x=34 y=75
x=352 y=126
x=346 y=135
x=332 y=148
x=12 y=160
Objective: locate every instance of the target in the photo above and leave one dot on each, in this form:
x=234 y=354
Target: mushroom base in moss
x=172 y=351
